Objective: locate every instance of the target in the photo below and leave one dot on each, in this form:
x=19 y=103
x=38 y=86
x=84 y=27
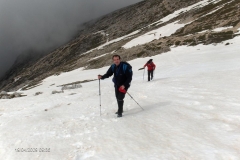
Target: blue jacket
x=122 y=74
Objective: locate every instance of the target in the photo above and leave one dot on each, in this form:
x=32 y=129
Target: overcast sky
x=42 y=24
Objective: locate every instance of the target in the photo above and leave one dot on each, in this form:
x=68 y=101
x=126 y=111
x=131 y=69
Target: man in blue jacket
x=122 y=79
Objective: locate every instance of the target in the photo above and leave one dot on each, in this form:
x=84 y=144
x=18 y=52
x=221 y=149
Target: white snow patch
x=154 y=34
x=213 y=11
x=113 y=41
x=238 y=31
x=221 y=28
x=203 y=31
x=101 y=56
x=218 y=8
x=183 y=10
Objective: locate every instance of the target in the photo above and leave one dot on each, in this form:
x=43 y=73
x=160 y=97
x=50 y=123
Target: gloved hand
x=120 y=89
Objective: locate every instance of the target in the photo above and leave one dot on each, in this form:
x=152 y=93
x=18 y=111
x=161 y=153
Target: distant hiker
x=122 y=79
x=151 y=67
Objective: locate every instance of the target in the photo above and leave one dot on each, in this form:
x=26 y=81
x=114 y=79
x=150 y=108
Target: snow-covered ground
x=217 y=8
x=156 y=34
x=171 y=28
x=113 y=41
x=238 y=31
x=200 y=4
x=166 y=30
x=101 y=56
x=191 y=111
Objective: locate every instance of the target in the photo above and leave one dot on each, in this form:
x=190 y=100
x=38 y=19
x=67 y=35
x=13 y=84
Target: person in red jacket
x=151 y=67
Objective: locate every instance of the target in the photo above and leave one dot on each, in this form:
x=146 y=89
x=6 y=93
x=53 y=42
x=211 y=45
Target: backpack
x=124 y=65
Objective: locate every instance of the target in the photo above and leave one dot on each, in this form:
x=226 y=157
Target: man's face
x=116 y=60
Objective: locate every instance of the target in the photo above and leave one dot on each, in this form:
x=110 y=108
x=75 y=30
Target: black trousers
x=119 y=96
x=150 y=73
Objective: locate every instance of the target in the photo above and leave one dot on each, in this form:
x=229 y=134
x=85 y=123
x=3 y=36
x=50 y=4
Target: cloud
x=43 y=24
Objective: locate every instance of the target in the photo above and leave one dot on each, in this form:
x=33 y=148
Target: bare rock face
x=38 y=93
x=122 y=22
x=55 y=92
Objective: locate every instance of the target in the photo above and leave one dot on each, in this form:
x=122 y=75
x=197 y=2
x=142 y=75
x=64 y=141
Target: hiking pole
x=143 y=74
x=100 y=96
x=134 y=100
x=153 y=74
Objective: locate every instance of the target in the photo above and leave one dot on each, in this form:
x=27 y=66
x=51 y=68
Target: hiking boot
x=119 y=115
x=116 y=112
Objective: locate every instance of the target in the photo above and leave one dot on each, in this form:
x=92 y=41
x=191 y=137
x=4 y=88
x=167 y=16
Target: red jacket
x=151 y=66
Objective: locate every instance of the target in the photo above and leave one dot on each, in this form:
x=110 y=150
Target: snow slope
x=186 y=9
x=191 y=111
x=166 y=30
x=158 y=33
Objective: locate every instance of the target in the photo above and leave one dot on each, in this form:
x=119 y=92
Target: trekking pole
x=134 y=100
x=143 y=74
x=100 y=96
x=153 y=74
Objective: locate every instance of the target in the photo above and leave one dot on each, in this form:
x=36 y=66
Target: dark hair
x=150 y=60
x=116 y=55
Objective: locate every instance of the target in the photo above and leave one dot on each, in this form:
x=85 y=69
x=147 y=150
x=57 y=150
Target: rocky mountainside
x=94 y=45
